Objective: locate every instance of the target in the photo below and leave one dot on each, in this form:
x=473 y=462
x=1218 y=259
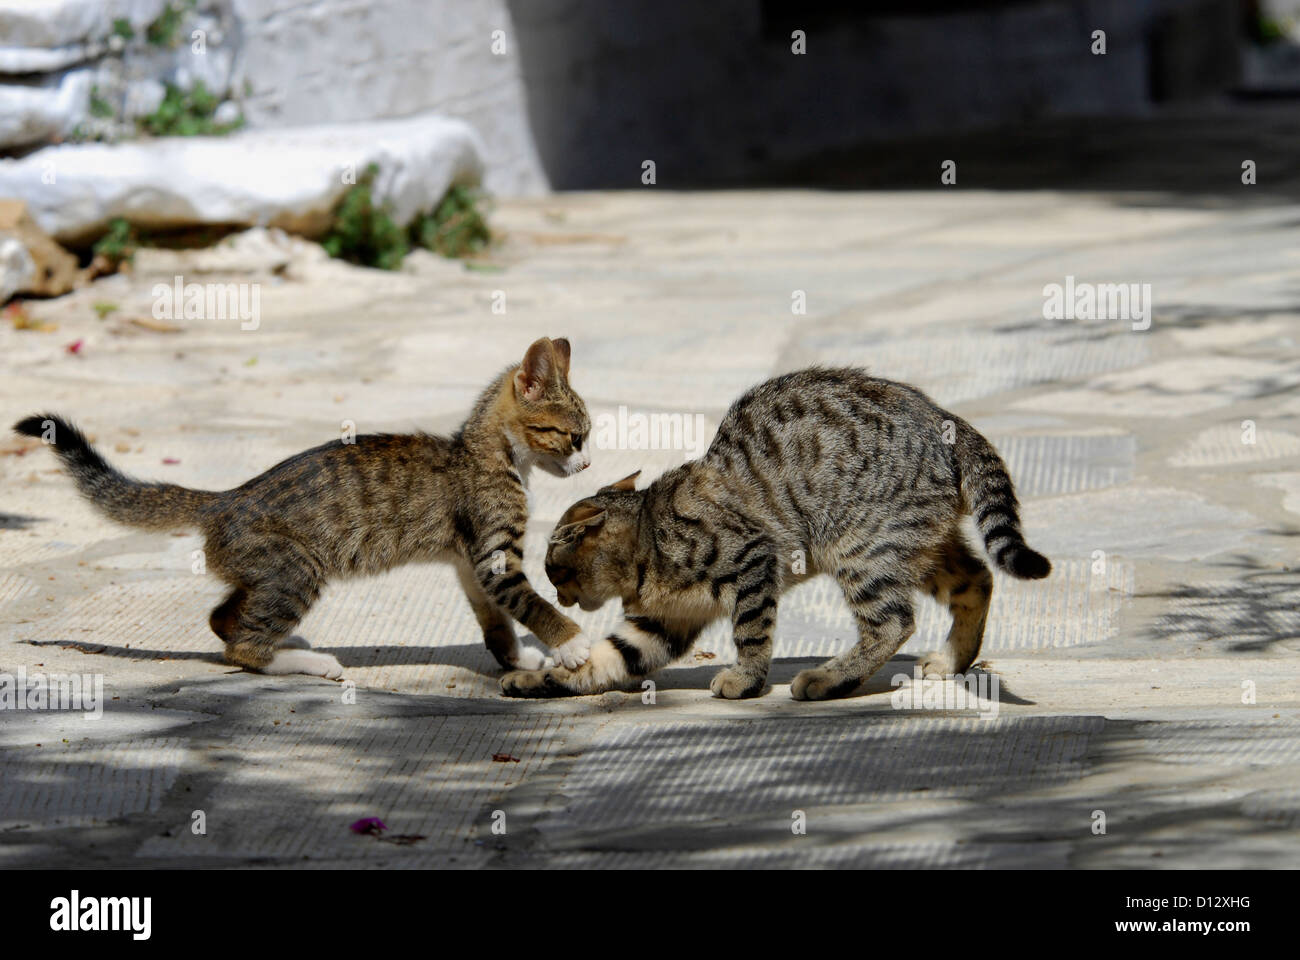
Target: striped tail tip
x=1025 y=563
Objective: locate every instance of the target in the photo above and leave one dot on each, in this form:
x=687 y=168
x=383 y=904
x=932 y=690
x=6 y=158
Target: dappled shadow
x=1164 y=316
x=696 y=675
x=272 y=791
x=17 y=521
x=1069 y=331
x=284 y=770
x=721 y=774
x=784 y=670
x=469 y=656
x=1198 y=315
x=1228 y=390
x=128 y=653
x=1020 y=791
x=1255 y=612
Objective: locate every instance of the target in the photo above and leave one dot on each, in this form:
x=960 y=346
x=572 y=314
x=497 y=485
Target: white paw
x=530 y=658
x=573 y=653
x=310 y=662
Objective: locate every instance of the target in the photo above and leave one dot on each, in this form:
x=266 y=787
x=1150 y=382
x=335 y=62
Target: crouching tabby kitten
x=820 y=471
x=350 y=509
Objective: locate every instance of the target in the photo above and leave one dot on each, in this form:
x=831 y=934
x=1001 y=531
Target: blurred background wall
x=578 y=93
x=632 y=79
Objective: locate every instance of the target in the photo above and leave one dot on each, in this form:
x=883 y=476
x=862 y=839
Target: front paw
x=574 y=652
x=822 y=684
x=530 y=658
x=735 y=684
x=534 y=683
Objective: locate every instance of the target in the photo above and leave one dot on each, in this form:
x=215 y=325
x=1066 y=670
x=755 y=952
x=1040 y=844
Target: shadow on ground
x=1256 y=612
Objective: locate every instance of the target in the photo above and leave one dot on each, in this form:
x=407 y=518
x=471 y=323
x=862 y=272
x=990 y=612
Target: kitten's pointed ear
x=538 y=368
x=586 y=512
x=577 y=520
x=561 y=345
x=627 y=483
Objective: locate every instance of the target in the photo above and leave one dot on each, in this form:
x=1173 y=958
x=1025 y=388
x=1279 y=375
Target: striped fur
x=819 y=471
x=358 y=508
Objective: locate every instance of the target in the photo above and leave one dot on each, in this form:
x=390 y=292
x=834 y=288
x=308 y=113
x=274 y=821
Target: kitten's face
x=590 y=556
x=548 y=420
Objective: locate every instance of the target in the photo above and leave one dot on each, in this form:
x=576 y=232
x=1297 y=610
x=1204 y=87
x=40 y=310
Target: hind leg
x=964 y=582
x=881 y=601
x=256 y=623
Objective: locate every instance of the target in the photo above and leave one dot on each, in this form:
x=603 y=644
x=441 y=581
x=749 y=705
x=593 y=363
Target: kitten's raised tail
x=991 y=498
x=153 y=506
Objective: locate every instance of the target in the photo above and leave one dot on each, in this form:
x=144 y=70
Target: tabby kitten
x=819 y=471
x=351 y=509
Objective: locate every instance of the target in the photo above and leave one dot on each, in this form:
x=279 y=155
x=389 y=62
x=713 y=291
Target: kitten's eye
x=559 y=575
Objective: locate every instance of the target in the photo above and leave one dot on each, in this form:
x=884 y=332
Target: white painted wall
x=295 y=63
x=313 y=61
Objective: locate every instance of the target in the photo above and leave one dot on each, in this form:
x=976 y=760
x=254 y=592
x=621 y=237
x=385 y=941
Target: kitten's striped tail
x=990 y=497
x=153 y=506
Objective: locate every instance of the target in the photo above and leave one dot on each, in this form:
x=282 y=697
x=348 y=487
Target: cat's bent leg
x=753 y=620
x=964 y=582
x=255 y=622
x=637 y=648
x=507 y=586
x=498 y=634
x=492 y=545
x=881 y=602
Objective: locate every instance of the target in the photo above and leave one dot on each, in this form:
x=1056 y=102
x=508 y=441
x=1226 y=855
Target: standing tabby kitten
x=350 y=509
x=820 y=471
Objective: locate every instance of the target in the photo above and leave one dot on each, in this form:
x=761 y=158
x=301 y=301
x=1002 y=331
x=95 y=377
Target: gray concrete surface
x=1152 y=678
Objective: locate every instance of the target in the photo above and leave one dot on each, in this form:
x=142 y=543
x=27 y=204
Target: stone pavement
x=1151 y=680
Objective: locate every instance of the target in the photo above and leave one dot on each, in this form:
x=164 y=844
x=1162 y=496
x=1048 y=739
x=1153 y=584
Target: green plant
x=165 y=31
x=99 y=107
x=119 y=244
x=457 y=227
x=187 y=113
x=362 y=232
x=122 y=28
